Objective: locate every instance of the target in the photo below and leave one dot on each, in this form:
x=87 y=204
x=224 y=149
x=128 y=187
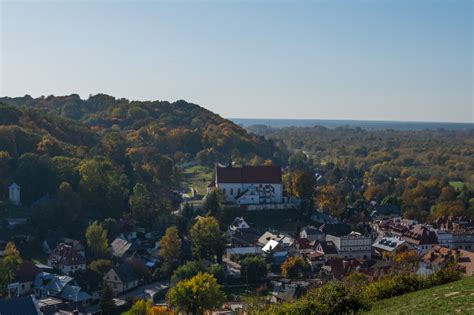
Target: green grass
x=198 y=177
x=452 y=298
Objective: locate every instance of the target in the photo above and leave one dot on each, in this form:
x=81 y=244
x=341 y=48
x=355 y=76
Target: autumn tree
x=8 y=265
x=96 y=237
x=302 y=184
x=101 y=266
x=197 y=295
x=293 y=267
x=206 y=239
x=170 y=248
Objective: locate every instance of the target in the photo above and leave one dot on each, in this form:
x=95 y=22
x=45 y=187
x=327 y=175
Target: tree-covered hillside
x=103 y=157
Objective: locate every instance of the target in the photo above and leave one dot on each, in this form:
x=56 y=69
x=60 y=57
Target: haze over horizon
x=338 y=60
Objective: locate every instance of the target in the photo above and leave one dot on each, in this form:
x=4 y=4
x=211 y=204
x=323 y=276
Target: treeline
x=425 y=173
x=77 y=160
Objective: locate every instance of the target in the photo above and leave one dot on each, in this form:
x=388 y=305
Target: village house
x=421 y=237
x=353 y=245
x=249 y=185
x=23 y=281
x=438 y=257
x=311 y=233
x=121 y=278
x=67 y=259
x=390 y=245
x=328 y=249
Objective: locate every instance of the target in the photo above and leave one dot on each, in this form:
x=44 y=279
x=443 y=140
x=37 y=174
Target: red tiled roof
x=420 y=235
x=66 y=255
x=249 y=174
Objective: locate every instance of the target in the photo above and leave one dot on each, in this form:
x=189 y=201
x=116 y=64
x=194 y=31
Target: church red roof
x=249 y=174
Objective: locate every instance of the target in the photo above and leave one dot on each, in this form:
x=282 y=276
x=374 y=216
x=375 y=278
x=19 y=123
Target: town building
x=67 y=259
x=390 y=245
x=249 y=185
x=353 y=245
x=421 y=237
x=121 y=278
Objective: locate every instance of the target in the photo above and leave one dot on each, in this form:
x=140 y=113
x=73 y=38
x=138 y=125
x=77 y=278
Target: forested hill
x=178 y=128
x=101 y=152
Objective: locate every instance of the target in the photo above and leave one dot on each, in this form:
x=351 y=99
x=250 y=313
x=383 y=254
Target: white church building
x=249 y=185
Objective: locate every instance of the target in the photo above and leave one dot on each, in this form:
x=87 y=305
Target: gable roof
x=26 y=272
x=19 y=306
x=120 y=247
x=249 y=174
x=125 y=273
x=66 y=255
x=419 y=235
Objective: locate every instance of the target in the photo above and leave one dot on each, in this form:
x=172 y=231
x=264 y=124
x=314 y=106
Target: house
x=23 y=281
x=121 y=248
x=390 y=245
x=353 y=245
x=244 y=238
x=280 y=238
x=67 y=259
x=121 y=278
x=249 y=185
x=127 y=229
x=311 y=233
x=327 y=248
x=238 y=224
x=438 y=257
x=14 y=194
x=341 y=267
x=315 y=260
x=421 y=237
x=23 y=305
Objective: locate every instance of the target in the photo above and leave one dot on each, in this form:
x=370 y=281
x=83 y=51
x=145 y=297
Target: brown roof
x=66 y=255
x=249 y=174
x=26 y=272
x=420 y=235
x=340 y=267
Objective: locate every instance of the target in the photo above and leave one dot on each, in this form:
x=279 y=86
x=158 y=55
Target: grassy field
x=452 y=298
x=198 y=177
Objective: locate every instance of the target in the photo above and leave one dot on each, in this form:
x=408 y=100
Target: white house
x=14 y=194
x=249 y=185
x=353 y=245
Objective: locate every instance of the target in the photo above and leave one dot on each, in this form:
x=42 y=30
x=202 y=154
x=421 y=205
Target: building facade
x=249 y=185
x=353 y=245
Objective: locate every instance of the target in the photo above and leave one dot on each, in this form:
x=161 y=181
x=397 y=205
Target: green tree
x=170 y=248
x=206 y=239
x=106 y=303
x=302 y=184
x=253 y=269
x=187 y=271
x=141 y=307
x=141 y=205
x=293 y=267
x=213 y=204
x=96 y=237
x=101 y=266
x=197 y=295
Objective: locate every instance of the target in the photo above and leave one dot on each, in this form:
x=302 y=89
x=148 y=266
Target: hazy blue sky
x=389 y=60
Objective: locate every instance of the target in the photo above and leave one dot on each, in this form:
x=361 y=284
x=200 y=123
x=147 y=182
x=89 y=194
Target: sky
x=406 y=60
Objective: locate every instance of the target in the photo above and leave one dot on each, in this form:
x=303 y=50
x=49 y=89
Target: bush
x=394 y=285
x=448 y=274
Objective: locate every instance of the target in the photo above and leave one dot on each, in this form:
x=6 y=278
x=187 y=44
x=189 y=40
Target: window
x=232 y=191
x=115 y=277
x=223 y=191
x=238 y=191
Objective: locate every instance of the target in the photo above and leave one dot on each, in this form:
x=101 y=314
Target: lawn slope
x=452 y=298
